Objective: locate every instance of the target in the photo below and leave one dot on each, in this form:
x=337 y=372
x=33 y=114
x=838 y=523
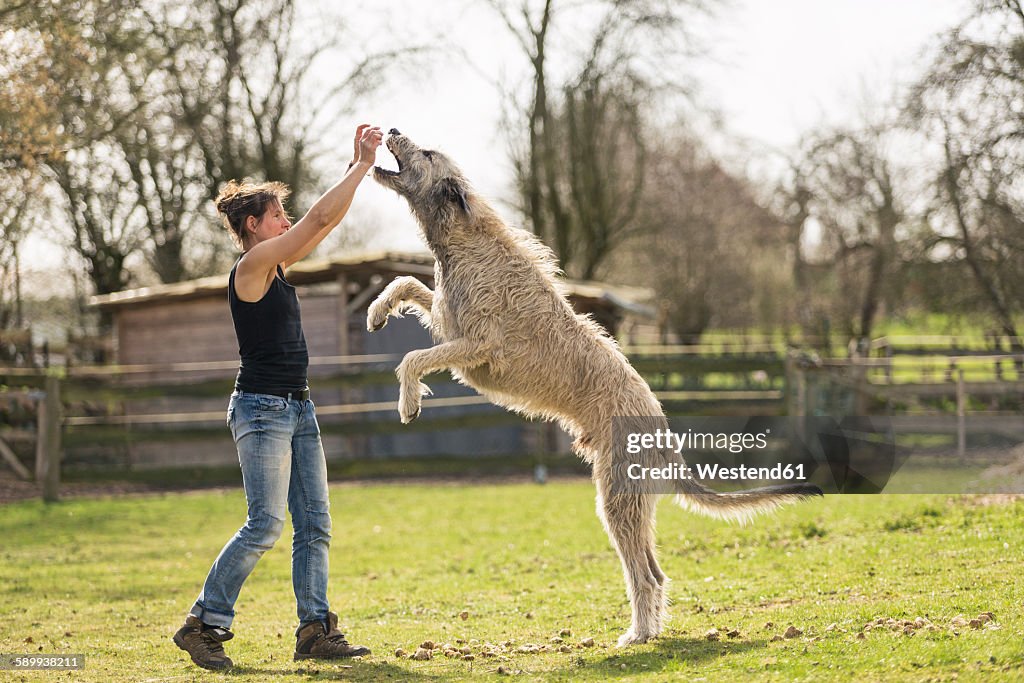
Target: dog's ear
x=453 y=191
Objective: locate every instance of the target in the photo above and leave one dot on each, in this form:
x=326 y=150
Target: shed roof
x=359 y=266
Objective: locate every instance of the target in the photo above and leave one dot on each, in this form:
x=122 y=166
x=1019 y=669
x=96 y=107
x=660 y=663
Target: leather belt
x=302 y=395
x=292 y=395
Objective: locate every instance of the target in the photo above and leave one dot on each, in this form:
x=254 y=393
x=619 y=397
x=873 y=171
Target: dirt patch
x=13 y=489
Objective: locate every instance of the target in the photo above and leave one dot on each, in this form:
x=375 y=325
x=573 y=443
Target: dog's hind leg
x=403 y=291
x=629 y=521
x=459 y=354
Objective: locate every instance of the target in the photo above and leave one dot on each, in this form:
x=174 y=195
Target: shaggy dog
x=504 y=329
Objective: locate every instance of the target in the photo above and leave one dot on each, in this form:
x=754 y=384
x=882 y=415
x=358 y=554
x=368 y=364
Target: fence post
x=48 y=441
x=888 y=363
x=41 y=437
x=859 y=360
x=961 y=410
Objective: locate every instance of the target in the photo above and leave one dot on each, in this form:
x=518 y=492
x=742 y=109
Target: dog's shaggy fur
x=505 y=330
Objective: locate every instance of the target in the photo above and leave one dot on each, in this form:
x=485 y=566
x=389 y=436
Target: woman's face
x=274 y=222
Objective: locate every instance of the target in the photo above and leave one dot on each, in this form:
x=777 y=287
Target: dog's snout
x=393 y=131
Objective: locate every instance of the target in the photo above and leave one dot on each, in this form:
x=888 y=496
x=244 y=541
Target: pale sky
x=777 y=68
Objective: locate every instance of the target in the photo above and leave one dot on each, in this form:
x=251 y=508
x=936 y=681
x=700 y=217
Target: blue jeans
x=283 y=463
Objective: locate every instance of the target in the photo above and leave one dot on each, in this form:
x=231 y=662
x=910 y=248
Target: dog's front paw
x=377 y=314
x=632 y=637
x=408 y=414
x=409 y=401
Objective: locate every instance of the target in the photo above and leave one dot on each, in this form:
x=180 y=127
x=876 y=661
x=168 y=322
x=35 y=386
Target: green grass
x=113 y=578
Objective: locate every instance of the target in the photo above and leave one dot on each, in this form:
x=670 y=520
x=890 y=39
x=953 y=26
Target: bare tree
x=711 y=252
x=969 y=102
x=847 y=182
x=243 y=103
x=564 y=184
x=18 y=190
x=791 y=202
x=600 y=160
x=168 y=105
x=79 y=91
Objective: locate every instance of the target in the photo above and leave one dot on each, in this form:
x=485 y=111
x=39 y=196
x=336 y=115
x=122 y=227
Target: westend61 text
x=662 y=439
x=710 y=472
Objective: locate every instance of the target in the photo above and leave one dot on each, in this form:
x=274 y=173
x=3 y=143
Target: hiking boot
x=325 y=641
x=203 y=643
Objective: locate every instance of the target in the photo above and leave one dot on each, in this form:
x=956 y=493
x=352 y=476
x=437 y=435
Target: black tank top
x=271 y=345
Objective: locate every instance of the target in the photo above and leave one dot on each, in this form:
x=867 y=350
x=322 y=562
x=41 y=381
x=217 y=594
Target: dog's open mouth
x=387 y=171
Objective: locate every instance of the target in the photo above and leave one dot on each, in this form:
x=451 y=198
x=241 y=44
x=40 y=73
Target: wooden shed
x=182 y=334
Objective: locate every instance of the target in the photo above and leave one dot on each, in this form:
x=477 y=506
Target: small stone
x=400 y=652
x=587 y=642
x=712 y=634
x=503 y=671
x=529 y=615
x=622 y=666
x=861 y=636
x=768 y=625
x=463 y=615
x=468 y=658
x=422 y=654
x=908 y=630
x=427 y=645
x=776 y=638
x=958 y=621
x=464 y=650
x=565 y=648
x=976 y=623
x=556 y=640
x=793 y=632
x=565 y=632
x=734 y=633
x=984 y=617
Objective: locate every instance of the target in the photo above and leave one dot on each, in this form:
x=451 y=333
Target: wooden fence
x=96 y=409
x=940 y=392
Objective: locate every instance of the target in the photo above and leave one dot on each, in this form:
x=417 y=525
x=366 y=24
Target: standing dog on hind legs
x=504 y=329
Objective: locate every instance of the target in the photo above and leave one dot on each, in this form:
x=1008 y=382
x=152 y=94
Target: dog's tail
x=741 y=506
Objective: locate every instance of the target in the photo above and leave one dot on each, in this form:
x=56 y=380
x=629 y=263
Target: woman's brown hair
x=239 y=200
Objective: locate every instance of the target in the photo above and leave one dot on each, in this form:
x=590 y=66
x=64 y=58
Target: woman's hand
x=368 y=139
x=355 y=143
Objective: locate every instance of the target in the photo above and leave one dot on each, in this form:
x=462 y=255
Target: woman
x=272 y=419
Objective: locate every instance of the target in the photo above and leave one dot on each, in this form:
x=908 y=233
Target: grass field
x=112 y=579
